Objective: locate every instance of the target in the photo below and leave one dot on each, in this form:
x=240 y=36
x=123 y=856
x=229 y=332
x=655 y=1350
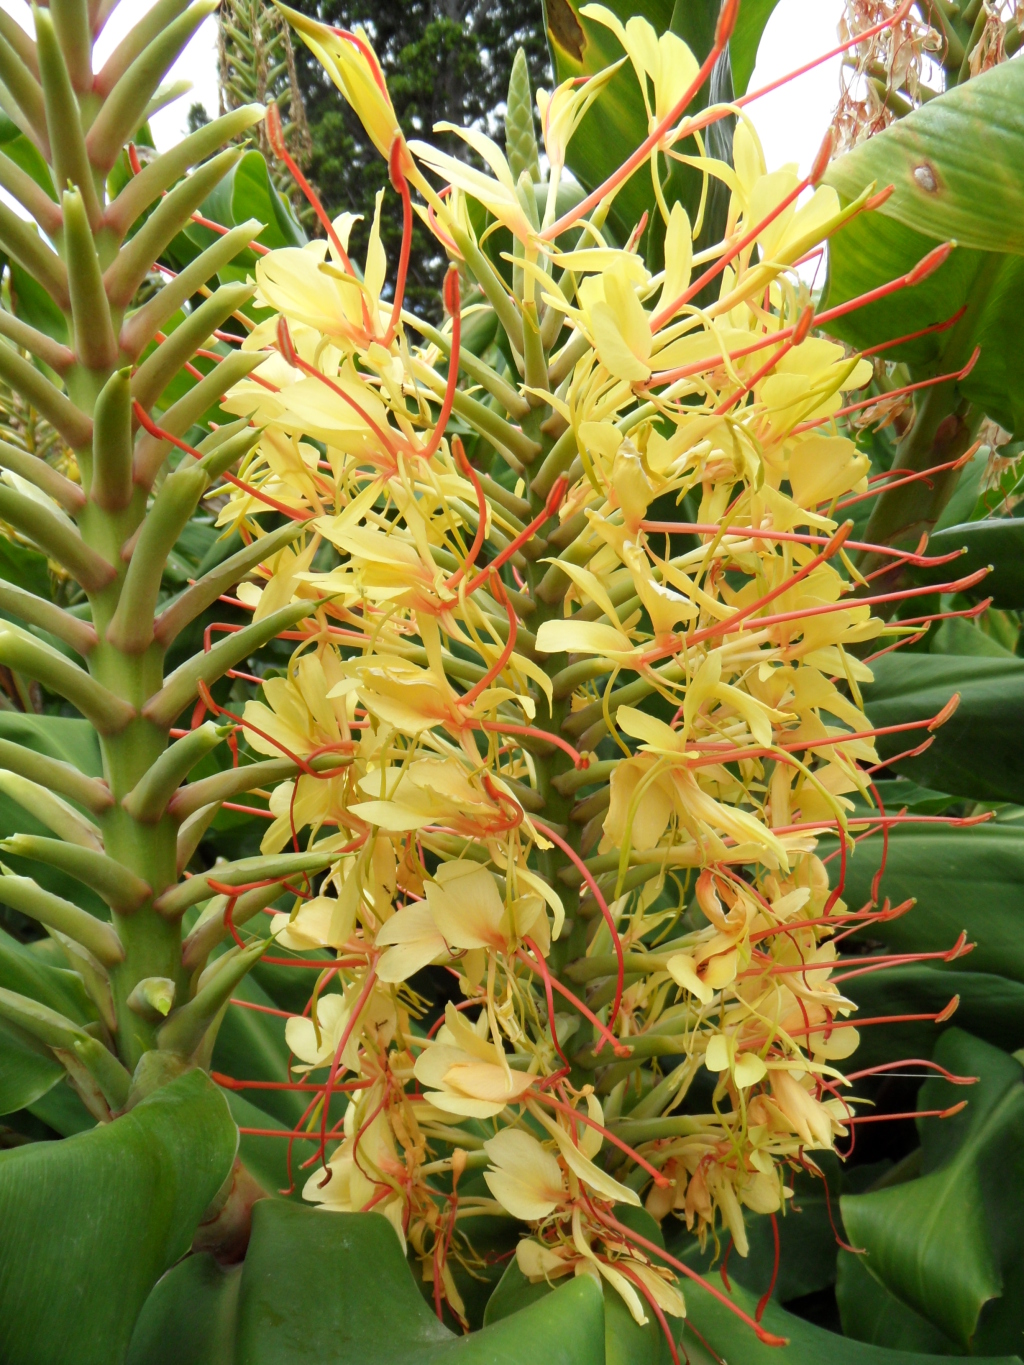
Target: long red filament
x=606 y=913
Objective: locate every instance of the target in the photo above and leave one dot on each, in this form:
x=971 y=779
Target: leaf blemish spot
x=926 y=177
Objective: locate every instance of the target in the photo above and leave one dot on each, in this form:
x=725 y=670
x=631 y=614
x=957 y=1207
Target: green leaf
x=746 y=39
x=972 y=1181
x=871 y=1313
x=62 y=1110
x=979 y=752
x=991 y=1007
x=189 y=1319
x=248 y=192
x=967 y=143
x=949 y=158
x=730 y=1339
x=336 y=1287
x=88 y=1225
x=869 y=251
x=962 y=879
x=71 y=741
x=23 y=970
x=250 y=1046
x=998 y=543
x=25 y=568
x=26 y=1071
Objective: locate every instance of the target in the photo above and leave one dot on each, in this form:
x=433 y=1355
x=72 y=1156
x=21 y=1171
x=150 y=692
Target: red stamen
x=453 y=306
x=726 y=627
x=554 y=501
x=911 y=1114
x=922 y=475
x=641 y=154
x=275 y=136
x=353 y=1019
x=652 y=1303
x=463 y=463
x=769 y=1338
x=762 y=1302
x=400 y=183
x=700 y=528
x=288 y=351
x=913 y=336
x=578 y=1117
x=595 y=891
x=552 y=982
x=502 y=727
x=145 y=421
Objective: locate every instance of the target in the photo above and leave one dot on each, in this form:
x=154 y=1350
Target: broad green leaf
x=24 y=567
x=72 y=741
x=963 y=879
x=62 y=1110
x=27 y=972
x=746 y=39
x=997 y=543
x=250 y=1046
x=962 y=505
x=991 y=1007
x=189 y=1319
x=872 y=250
x=336 y=1287
x=939 y=1242
x=979 y=752
x=248 y=192
x=871 y=1313
x=954 y=153
x=88 y=1225
x=994 y=383
x=27 y=1072
x=869 y=251
x=954 y=164
x=266 y=1158
x=731 y=1340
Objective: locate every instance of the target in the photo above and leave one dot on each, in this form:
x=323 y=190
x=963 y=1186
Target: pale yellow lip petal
x=581 y=637
x=518 y=1197
x=463 y=1106
x=482 y=1080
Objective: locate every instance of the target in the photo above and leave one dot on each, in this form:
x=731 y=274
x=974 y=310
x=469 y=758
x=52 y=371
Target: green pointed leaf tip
x=122 y=1203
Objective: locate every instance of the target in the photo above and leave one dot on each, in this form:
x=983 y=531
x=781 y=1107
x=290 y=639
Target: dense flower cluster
x=575 y=755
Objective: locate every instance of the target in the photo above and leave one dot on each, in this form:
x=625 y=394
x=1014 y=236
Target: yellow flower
x=467 y=1074
x=665 y=61
x=353 y=67
x=525 y=1178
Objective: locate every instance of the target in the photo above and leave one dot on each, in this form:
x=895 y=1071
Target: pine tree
x=444 y=60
